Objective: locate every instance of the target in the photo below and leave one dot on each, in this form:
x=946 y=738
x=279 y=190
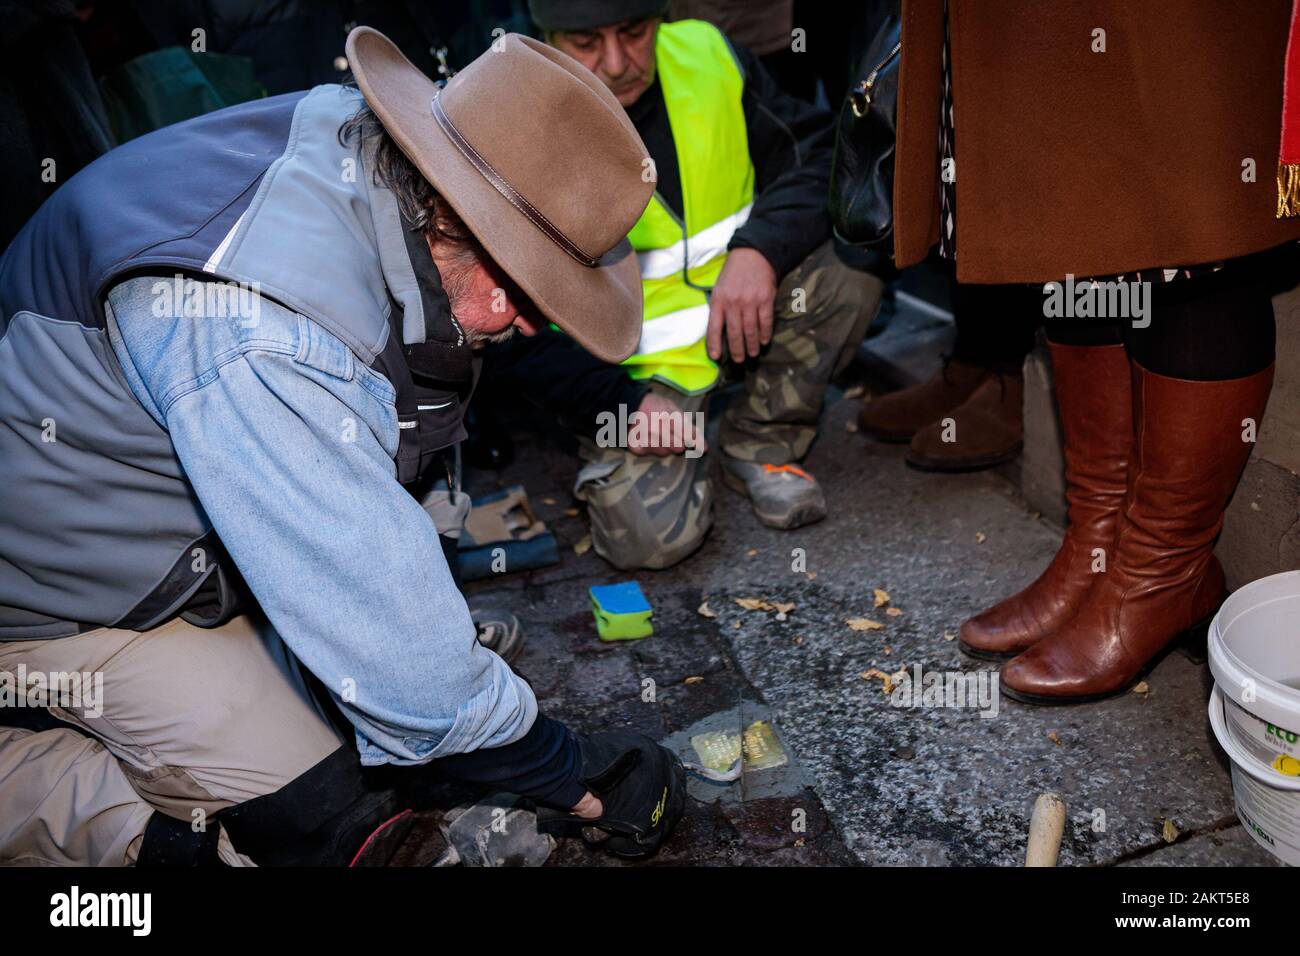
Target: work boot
x=641 y=787
x=984 y=431
x=1162 y=580
x=499 y=631
x=899 y=415
x=783 y=496
x=381 y=844
x=1095 y=397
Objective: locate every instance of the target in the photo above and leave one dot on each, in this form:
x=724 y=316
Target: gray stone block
x=1279 y=437
x=1042 y=467
x=1261 y=532
x=912 y=346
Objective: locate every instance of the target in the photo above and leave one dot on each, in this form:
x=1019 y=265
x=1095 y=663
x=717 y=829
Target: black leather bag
x=862 y=174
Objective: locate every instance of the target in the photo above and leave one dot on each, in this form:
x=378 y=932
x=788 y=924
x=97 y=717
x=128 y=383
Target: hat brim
x=600 y=306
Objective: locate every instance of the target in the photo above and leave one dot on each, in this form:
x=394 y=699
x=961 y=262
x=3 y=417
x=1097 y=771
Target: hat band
x=504 y=188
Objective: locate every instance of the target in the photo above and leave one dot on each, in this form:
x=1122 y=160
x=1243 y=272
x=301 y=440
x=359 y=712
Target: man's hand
x=674 y=433
x=589 y=807
x=741 y=305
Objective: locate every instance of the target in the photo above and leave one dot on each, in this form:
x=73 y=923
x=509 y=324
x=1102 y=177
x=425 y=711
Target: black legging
x=1209 y=328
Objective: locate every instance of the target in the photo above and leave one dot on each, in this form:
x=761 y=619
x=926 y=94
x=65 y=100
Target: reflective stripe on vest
x=706 y=245
x=680 y=258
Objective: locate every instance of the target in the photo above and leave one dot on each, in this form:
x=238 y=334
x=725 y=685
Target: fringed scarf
x=1288 y=161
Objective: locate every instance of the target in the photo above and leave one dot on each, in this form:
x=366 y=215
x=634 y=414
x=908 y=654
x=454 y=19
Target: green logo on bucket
x=1282 y=734
x=1255 y=827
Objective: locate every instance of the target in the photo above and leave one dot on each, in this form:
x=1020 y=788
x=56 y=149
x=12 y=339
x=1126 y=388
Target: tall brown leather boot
x=1095 y=397
x=1162 y=579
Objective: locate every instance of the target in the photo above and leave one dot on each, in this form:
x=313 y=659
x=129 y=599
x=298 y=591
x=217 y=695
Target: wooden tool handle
x=1045 y=829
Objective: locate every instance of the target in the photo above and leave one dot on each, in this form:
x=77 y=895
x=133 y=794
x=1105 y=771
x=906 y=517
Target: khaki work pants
x=191 y=721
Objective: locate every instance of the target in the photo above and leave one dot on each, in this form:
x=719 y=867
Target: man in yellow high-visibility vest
x=738 y=274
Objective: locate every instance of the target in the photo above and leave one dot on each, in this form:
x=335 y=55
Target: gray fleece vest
x=98 y=525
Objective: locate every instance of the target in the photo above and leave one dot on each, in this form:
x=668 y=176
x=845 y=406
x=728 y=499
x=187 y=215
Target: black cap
x=588 y=14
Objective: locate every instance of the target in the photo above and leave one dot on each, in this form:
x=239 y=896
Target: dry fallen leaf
x=1051 y=735
x=882 y=597
x=1141 y=687
x=782 y=608
x=735 y=625
x=812 y=575
x=798 y=640
x=751 y=552
x=693 y=680
x=705 y=611
x=863 y=624
x=893 y=612
x=980 y=537
x=583 y=545
x=887 y=681
x=1169 y=831
x=888 y=649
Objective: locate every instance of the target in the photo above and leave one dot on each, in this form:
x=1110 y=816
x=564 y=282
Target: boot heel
x=1193 y=643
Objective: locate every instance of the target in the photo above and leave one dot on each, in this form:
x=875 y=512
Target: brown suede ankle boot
x=1095 y=397
x=985 y=430
x=1162 y=579
x=899 y=415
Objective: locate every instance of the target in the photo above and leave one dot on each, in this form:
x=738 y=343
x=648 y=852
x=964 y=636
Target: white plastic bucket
x=1254 y=653
x=1268 y=804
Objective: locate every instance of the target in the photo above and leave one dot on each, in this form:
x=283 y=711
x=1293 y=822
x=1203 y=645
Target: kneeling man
x=229 y=352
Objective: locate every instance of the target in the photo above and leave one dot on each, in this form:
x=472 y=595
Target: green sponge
x=622 y=612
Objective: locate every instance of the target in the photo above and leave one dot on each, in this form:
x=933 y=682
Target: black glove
x=641 y=786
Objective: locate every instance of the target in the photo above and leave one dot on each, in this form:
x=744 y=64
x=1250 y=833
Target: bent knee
x=635 y=536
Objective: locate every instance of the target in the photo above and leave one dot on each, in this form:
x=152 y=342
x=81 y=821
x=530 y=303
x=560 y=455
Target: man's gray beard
x=478 y=340
x=454 y=284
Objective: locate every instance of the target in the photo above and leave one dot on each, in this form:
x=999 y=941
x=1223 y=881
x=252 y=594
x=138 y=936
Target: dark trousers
x=1212 y=327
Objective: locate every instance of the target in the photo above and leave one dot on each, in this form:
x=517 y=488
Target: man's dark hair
x=422 y=206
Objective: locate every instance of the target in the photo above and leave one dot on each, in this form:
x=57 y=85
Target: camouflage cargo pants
x=651 y=512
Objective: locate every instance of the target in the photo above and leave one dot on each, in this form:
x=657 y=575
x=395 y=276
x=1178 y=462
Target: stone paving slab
x=884 y=784
x=1231 y=846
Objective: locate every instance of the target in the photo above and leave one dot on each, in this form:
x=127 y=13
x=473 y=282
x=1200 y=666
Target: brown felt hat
x=540 y=161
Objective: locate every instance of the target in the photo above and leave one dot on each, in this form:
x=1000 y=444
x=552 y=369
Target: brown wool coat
x=1071 y=161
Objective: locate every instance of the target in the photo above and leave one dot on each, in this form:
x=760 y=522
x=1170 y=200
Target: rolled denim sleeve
x=288 y=441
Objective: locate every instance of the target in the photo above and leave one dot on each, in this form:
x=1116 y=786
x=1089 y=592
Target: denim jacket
x=288 y=442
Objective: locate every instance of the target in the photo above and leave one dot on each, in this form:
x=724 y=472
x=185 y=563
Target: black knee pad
x=322 y=818
x=172 y=842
